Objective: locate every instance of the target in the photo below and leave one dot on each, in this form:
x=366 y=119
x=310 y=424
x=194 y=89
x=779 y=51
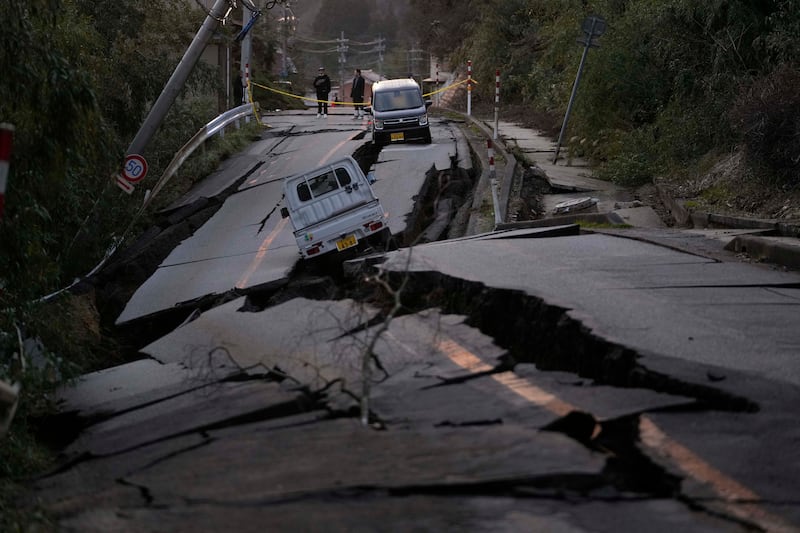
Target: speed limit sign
x=135 y=168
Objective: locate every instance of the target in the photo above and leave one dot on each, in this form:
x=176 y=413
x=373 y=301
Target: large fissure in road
x=536 y=332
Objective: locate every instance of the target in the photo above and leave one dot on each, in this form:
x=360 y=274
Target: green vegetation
x=670 y=83
x=78 y=80
x=585 y=224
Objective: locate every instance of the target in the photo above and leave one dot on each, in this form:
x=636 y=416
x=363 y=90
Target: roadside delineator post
x=496 y=101
x=247 y=97
x=469 y=88
x=493 y=183
x=6 y=141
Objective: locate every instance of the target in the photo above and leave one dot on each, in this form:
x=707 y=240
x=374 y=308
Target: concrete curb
x=594 y=218
x=764 y=248
x=767 y=249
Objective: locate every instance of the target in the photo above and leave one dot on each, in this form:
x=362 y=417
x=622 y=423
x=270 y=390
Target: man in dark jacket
x=238 y=90
x=322 y=83
x=357 y=94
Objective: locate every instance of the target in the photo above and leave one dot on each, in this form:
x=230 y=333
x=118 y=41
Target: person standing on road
x=238 y=90
x=357 y=94
x=322 y=83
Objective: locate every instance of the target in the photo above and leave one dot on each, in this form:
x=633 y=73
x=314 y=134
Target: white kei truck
x=333 y=208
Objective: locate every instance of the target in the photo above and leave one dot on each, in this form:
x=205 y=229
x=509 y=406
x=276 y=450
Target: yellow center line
x=740 y=501
x=262 y=251
x=332 y=152
x=469 y=361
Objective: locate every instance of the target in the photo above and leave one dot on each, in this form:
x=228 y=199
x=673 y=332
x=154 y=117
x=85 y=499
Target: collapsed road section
x=260 y=416
x=495 y=401
x=525 y=380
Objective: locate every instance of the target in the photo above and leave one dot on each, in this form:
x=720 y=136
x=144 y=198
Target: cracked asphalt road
x=553 y=381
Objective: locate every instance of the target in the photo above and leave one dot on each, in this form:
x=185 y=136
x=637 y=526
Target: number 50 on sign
x=135 y=168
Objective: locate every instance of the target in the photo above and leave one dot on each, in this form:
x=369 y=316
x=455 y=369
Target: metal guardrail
x=205 y=133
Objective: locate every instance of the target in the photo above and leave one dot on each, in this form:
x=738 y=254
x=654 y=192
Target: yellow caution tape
x=451 y=86
x=333 y=102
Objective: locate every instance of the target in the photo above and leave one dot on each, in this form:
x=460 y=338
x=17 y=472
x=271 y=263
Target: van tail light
x=373 y=226
x=314 y=250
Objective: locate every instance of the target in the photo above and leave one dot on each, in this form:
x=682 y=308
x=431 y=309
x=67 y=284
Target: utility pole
x=246 y=52
x=288 y=29
x=380 y=49
x=284 y=72
x=160 y=108
x=342 y=49
x=413 y=59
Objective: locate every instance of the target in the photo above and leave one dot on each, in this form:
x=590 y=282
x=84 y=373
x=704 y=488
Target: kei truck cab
x=333 y=208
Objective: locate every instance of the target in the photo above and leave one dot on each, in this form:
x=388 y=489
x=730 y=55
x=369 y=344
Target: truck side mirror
x=368 y=109
x=284 y=212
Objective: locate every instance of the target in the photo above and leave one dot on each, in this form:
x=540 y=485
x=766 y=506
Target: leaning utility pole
x=159 y=110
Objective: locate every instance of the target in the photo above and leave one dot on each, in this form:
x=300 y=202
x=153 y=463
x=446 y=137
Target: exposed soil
x=729 y=188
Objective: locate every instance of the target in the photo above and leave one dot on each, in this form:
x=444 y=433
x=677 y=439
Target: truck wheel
x=388 y=242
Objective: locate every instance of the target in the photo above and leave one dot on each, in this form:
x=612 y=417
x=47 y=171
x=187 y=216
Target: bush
x=767 y=114
x=633 y=161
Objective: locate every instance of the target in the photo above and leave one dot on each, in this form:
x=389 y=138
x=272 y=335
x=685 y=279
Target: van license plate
x=347 y=242
x=398 y=136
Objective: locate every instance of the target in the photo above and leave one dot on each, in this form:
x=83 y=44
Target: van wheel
x=427 y=137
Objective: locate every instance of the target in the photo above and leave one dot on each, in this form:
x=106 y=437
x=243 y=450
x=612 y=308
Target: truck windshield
x=398 y=99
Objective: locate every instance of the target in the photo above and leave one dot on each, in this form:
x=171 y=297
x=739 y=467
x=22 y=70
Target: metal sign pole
x=593 y=26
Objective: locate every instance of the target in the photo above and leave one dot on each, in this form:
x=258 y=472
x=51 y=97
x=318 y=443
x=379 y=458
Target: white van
x=399 y=112
x=333 y=208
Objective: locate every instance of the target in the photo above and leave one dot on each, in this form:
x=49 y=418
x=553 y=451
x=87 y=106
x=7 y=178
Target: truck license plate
x=398 y=136
x=347 y=242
